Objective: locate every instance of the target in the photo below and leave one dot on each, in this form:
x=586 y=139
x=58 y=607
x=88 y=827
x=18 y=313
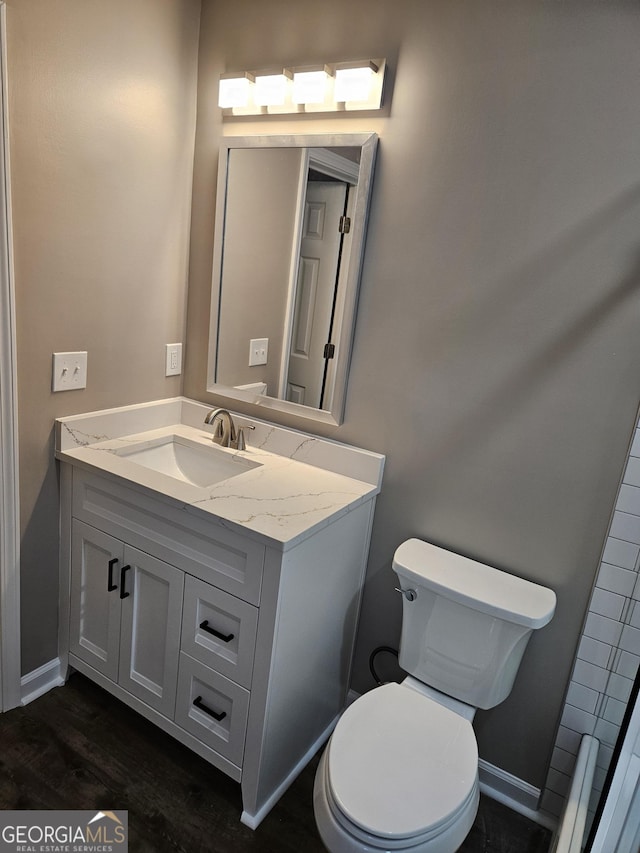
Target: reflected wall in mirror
x=290 y=231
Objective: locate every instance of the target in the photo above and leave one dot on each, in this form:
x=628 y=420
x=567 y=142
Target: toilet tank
x=466 y=629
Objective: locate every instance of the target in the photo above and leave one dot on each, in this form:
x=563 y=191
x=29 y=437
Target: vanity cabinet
x=238 y=646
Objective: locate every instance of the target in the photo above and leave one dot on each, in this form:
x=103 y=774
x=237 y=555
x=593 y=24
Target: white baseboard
x=514 y=793
x=40 y=681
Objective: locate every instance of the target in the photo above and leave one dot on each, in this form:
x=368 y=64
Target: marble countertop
x=296 y=483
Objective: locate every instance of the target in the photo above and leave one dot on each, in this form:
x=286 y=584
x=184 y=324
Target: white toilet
x=400 y=772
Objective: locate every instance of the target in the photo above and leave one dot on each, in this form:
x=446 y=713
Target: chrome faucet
x=224 y=432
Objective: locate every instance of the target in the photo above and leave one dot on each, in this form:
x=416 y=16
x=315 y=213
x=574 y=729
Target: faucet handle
x=241 y=443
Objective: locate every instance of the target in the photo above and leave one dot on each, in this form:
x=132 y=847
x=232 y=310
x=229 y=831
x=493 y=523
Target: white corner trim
x=40 y=681
x=514 y=793
x=9 y=505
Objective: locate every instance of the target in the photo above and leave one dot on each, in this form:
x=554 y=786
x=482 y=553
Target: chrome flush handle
x=409 y=594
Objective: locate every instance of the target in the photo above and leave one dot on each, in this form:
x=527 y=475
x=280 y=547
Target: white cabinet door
x=151 y=598
x=126 y=615
x=95 y=606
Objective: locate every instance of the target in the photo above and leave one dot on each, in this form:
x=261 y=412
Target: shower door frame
x=618 y=830
x=10 y=693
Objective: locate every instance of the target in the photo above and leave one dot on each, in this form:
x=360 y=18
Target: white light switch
x=69 y=371
x=258 y=349
x=173 y=364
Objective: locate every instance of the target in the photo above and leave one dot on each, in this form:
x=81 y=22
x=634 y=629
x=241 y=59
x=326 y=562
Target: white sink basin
x=188 y=461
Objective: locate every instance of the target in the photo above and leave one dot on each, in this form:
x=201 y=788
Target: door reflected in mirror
x=290 y=227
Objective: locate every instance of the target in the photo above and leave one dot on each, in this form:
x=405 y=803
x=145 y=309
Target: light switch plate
x=173 y=361
x=258 y=351
x=69 y=371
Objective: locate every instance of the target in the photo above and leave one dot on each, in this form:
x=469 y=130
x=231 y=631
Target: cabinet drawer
x=199 y=546
x=212 y=708
x=219 y=630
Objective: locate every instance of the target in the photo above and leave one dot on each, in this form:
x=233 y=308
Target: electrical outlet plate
x=258 y=351
x=173 y=360
x=69 y=371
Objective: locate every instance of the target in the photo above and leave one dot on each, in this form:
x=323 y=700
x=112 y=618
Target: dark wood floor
x=78 y=748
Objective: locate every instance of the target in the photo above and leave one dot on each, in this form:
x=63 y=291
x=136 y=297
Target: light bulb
x=309 y=87
x=233 y=92
x=353 y=84
x=270 y=90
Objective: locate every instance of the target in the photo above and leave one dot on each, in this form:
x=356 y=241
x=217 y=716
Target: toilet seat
x=341 y=836
x=400 y=767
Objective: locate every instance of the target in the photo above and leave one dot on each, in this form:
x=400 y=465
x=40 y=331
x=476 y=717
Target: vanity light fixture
x=272 y=88
x=332 y=87
x=311 y=86
x=354 y=81
x=234 y=90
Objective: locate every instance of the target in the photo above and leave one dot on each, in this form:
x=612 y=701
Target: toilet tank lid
x=475 y=584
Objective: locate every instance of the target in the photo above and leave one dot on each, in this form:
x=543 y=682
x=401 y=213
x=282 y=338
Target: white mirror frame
x=367 y=142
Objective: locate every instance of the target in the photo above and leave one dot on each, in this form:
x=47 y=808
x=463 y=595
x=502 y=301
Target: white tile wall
x=629 y=500
x=590 y=675
x=632 y=474
x=608 y=604
x=609 y=650
x=568 y=740
x=620 y=581
x=626 y=526
x=630 y=640
x=594 y=652
x=626 y=664
x=620 y=553
x=603 y=628
x=583 y=697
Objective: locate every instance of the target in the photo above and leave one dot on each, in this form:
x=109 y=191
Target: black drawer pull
x=123 y=594
x=110 y=584
x=226 y=638
x=216 y=716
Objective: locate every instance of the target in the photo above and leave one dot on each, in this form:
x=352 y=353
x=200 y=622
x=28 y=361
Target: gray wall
x=102 y=120
x=497 y=353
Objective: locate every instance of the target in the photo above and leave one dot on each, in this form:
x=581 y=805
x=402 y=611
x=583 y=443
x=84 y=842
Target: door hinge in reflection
x=345 y=225
x=329 y=350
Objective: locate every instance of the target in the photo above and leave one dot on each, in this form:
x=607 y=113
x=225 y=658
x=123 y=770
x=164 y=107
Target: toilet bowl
x=400 y=771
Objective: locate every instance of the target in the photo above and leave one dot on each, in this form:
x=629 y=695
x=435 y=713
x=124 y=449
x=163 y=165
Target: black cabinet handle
x=110 y=584
x=123 y=570
x=216 y=716
x=226 y=638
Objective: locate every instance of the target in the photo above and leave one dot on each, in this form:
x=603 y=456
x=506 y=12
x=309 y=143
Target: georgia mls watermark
x=63 y=832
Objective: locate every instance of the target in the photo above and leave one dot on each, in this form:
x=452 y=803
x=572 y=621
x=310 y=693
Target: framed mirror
x=291 y=215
